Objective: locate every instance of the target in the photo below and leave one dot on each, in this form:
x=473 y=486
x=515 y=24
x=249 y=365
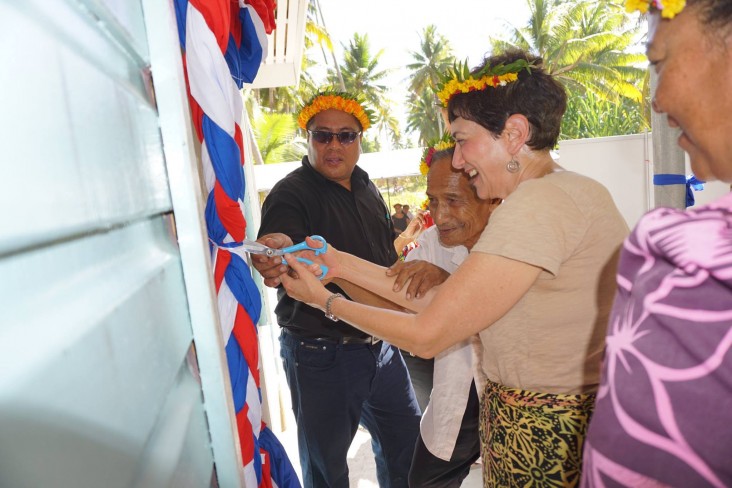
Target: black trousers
x=428 y=471
x=420 y=373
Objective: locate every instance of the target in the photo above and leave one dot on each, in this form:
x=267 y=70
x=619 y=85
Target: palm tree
x=424 y=117
x=324 y=38
x=586 y=45
x=276 y=137
x=434 y=57
x=591 y=116
x=363 y=76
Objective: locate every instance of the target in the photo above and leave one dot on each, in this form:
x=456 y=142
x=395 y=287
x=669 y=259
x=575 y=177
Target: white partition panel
x=112 y=368
x=621 y=163
x=624 y=165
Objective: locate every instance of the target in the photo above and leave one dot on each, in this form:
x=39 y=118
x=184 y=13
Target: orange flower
x=338 y=101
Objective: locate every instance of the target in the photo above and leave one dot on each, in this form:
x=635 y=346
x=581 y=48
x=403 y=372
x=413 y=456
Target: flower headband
x=445 y=142
x=668 y=8
x=335 y=100
x=458 y=79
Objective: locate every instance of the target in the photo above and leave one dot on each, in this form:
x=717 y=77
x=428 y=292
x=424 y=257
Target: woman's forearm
x=372 y=277
x=367 y=297
x=398 y=328
x=466 y=304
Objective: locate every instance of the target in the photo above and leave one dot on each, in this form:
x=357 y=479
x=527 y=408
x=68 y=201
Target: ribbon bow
x=691 y=182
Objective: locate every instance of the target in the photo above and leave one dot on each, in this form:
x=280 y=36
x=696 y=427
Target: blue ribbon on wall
x=690 y=181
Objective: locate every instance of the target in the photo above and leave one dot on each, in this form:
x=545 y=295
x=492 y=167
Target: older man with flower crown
x=339 y=377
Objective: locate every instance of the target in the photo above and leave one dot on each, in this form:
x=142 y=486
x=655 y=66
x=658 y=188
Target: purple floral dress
x=663 y=415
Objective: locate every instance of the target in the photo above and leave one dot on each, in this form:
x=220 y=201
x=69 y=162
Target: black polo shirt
x=305 y=203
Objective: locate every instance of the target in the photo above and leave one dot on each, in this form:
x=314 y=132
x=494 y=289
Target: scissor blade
x=256 y=248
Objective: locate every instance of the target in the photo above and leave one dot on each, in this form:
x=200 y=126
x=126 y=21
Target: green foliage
x=424 y=116
x=362 y=74
x=434 y=57
x=588 y=46
x=583 y=43
x=276 y=138
x=410 y=190
x=589 y=116
x=370 y=144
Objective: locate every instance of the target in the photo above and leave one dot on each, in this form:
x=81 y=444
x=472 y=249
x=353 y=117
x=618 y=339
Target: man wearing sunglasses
x=338 y=376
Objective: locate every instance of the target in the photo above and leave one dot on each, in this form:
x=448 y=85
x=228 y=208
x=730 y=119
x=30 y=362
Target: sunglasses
x=325 y=137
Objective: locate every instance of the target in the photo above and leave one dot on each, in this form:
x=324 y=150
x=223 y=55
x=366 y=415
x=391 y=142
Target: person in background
x=537 y=286
x=410 y=234
x=338 y=376
x=405 y=209
x=664 y=408
x=399 y=218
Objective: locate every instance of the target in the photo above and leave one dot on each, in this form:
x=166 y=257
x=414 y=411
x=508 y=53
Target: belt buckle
x=369 y=341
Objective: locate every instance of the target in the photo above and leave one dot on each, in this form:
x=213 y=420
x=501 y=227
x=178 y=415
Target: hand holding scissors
x=257 y=248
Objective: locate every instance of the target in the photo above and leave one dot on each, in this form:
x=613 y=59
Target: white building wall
x=622 y=163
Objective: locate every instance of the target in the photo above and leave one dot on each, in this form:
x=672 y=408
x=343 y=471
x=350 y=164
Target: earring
x=513 y=166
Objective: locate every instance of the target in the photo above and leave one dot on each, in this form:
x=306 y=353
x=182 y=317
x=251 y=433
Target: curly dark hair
x=536 y=95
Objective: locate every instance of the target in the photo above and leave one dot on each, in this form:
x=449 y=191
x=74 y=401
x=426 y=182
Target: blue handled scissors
x=257 y=248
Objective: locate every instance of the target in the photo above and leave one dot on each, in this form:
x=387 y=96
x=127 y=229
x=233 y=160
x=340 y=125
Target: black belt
x=371 y=340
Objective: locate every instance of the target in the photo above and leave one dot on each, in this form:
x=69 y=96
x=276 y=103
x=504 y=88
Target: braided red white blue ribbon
x=223 y=42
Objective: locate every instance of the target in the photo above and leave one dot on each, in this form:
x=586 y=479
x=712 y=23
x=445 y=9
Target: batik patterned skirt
x=532 y=439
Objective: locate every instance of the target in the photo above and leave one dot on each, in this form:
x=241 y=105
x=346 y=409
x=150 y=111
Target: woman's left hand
x=330 y=259
x=303 y=285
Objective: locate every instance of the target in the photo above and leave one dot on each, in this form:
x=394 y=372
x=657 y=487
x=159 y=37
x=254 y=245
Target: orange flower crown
x=458 y=79
x=668 y=8
x=445 y=142
x=342 y=101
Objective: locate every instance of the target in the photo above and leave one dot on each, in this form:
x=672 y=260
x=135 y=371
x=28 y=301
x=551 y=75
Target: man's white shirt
x=453 y=368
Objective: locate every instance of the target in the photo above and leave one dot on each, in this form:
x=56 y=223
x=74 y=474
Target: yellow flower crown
x=336 y=100
x=668 y=8
x=458 y=79
x=445 y=142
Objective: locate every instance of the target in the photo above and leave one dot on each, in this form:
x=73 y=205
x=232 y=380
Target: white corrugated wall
x=104 y=277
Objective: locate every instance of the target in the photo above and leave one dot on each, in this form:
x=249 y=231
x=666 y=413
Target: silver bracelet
x=328 y=303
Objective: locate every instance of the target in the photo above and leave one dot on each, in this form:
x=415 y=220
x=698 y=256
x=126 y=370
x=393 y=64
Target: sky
x=395 y=25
